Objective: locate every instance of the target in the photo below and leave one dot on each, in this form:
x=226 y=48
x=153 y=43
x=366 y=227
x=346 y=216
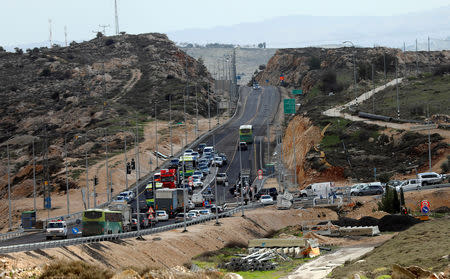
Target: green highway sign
x=297 y=91
x=289 y=106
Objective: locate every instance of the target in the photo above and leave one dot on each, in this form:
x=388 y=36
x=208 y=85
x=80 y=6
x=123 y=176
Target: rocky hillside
x=108 y=82
x=304 y=68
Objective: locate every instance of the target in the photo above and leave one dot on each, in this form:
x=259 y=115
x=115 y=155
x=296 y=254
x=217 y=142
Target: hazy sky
x=26 y=21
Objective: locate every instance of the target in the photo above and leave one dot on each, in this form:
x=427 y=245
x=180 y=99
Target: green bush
x=390 y=202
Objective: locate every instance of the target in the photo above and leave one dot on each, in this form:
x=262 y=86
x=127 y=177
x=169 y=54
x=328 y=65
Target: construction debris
x=260 y=260
x=276 y=242
x=284 y=201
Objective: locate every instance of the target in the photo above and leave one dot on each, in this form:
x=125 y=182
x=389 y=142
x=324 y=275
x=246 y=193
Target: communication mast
x=65 y=34
x=116 y=17
x=50 y=31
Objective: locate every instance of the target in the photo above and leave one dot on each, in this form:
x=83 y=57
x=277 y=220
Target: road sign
x=425 y=210
x=281 y=77
x=424 y=127
x=424 y=203
x=75 y=230
x=190 y=179
x=289 y=106
x=297 y=92
x=260 y=174
x=191 y=183
x=48 y=203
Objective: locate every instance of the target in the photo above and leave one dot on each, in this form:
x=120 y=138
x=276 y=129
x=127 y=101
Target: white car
x=221 y=177
x=410 y=184
x=198 y=183
x=208 y=149
x=188 y=152
x=128 y=195
x=266 y=199
x=355 y=189
x=192 y=215
x=56 y=229
x=196 y=211
x=120 y=199
x=205 y=212
x=430 y=178
x=199 y=173
x=218 y=161
x=161 y=215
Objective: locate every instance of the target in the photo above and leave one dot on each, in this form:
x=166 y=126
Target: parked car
x=242 y=145
x=355 y=188
x=218 y=161
x=429 y=178
x=161 y=215
x=200 y=147
x=370 y=190
x=409 y=185
x=221 y=177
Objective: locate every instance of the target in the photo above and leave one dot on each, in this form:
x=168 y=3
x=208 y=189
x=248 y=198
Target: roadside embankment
x=171 y=248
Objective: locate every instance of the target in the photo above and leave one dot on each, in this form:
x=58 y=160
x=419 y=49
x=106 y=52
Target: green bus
x=150 y=193
x=101 y=221
x=246 y=133
x=189 y=164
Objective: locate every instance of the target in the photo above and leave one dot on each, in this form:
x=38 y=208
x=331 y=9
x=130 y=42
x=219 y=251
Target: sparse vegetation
x=75 y=269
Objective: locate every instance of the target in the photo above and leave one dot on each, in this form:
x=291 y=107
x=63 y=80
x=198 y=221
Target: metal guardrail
x=9 y=235
x=98 y=238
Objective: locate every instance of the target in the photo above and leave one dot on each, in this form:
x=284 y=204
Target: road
x=255 y=108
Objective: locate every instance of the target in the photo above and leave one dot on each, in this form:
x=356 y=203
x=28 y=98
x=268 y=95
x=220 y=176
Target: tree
x=395 y=202
x=402 y=197
x=314 y=63
x=18 y=50
x=2 y=49
x=99 y=35
x=389 y=201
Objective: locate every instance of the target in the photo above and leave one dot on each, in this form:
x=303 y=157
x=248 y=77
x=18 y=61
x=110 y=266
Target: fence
x=98 y=238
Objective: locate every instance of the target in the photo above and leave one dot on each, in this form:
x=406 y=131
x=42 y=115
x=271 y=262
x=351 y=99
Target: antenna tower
x=50 y=31
x=65 y=34
x=116 y=17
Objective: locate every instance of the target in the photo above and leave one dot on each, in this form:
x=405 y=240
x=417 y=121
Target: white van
x=429 y=178
x=56 y=229
x=409 y=185
x=322 y=190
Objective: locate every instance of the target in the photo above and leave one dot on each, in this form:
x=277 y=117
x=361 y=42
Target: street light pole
x=67 y=176
x=108 y=188
x=209 y=110
x=170 y=124
x=156 y=138
x=87 y=172
x=126 y=169
x=240 y=174
x=34 y=178
x=396 y=85
x=9 y=188
x=196 y=113
x=354 y=67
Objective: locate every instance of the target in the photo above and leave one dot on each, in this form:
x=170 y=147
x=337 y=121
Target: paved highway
x=255 y=108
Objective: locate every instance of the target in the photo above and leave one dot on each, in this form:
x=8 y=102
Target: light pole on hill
x=354 y=68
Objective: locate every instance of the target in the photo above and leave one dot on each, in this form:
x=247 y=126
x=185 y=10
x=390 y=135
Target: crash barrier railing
x=145 y=179
x=9 y=235
x=109 y=237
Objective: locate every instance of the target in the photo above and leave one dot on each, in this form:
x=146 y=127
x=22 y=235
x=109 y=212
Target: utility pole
x=9 y=188
x=67 y=176
x=209 y=110
x=184 y=191
x=429 y=137
x=126 y=162
x=136 y=148
x=396 y=85
x=196 y=113
x=429 y=56
x=373 y=86
x=240 y=174
x=268 y=142
x=104 y=28
x=156 y=137
x=184 y=102
x=170 y=124
x=87 y=172
x=215 y=188
x=34 y=178
x=295 y=157
x=116 y=17
x=108 y=189
x=417 y=61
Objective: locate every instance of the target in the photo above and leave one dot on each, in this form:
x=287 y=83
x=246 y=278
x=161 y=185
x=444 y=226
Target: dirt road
x=320 y=267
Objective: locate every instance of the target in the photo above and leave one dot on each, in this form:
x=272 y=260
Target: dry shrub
x=75 y=269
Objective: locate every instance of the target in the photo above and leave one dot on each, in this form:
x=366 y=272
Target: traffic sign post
x=48 y=203
x=260 y=174
x=289 y=106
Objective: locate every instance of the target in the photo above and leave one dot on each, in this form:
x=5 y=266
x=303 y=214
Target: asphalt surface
x=255 y=108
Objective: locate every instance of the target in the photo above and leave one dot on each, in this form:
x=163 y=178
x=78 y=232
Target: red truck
x=169 y=178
